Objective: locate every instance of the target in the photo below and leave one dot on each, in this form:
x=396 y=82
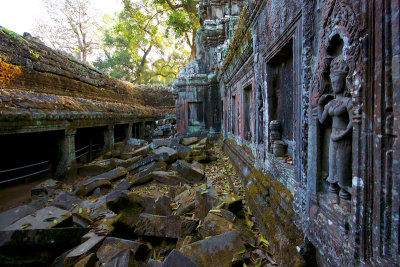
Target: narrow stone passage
x=173 y=202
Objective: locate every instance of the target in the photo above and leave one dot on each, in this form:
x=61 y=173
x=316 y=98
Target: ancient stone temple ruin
x=306 y=96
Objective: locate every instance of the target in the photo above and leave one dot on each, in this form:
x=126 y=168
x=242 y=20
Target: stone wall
x=69 y=107
x=309 y=101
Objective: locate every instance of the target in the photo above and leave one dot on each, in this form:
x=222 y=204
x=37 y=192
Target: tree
x=72 y=27
x=136 y=49
x=183 y=20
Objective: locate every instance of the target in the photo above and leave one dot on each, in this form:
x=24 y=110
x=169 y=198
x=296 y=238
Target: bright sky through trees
x=20 y=15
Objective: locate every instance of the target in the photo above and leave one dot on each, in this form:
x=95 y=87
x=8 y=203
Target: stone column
x=128 y=135
x=142 y=129
x=66 y=160
x=108 y=137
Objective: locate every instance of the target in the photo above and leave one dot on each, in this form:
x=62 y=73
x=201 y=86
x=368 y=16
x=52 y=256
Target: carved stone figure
x=338 y=107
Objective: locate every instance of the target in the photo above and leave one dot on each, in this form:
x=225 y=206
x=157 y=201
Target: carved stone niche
x=334 y=112
x=280 y=88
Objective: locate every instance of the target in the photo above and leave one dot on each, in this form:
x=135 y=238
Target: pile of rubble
x=139 y=205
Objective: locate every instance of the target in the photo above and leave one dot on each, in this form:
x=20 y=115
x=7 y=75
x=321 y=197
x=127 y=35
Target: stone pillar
x=128 y=135
x=142 y=129
x=108 y=135
x=66 y=160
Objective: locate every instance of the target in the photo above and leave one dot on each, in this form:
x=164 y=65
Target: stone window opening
x=280 y=92
x=247 y=107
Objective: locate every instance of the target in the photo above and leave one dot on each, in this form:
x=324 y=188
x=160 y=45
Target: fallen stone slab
x=167 y=154
x=177 y=259
x=96 y=167
x=189 y=141
x=113 y=174
x=47 y=217
x=25 y=247
x=125 y=258
x=87 y=188
x=86 y=248
x=163 y=206
x=87 y=261
x=156 y=143
x=140 y=165
x=142 y=151
x=10 y=216
x=126 y=155
x=111 y=246
x=164 y=226
x=123 y=185
x=188 y=172
x=216 y=223
x=206 y=200
x=186 y=208
x=145 y=175
x=126 y=163
x=215 y=251
x=168 y=177
x=65 y=201
x=45 y=187
x=183 y=151
x=129 y=206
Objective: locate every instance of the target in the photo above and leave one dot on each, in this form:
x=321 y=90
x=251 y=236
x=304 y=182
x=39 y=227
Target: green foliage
x=136 y=49
x=182 y=19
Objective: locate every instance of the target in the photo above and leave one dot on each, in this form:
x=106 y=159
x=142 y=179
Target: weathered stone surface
x=87 y=261
x=125 y=258
x=126 y=163
x=112 y=246
x=138 y=166
x=48 y=217
x=96 y=168
x=163 y=206
x=168 y=177
x=45 y=187
x=156 y=143
x=142 y=151
x=88 y=187
x=189 y=141
x=85 y=248
x=136 y=142
x=218 y=223
x=214 y=251
x=206 y=200
x=10 y=216
x=172 y=154
x=188 y=172
x=183 y=151
x=65 y=201
x=113 y=174
x=126 y=155
x=177 y=259
x=164 y=226
x=123 y=185
x=186 y=208
x=129 y=206
x=145 y=175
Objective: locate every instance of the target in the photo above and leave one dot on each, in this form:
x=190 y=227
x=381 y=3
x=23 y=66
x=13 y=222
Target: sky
x=20 y=15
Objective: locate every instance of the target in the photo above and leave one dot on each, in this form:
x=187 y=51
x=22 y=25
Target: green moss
x=241 y=39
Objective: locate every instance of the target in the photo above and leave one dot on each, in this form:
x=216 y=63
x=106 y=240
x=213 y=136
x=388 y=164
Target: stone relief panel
x=336 y=84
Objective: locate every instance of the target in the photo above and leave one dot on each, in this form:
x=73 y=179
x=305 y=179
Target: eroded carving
x=338 y=107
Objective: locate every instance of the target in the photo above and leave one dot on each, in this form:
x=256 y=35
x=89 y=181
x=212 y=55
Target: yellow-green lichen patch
x=8 y=72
